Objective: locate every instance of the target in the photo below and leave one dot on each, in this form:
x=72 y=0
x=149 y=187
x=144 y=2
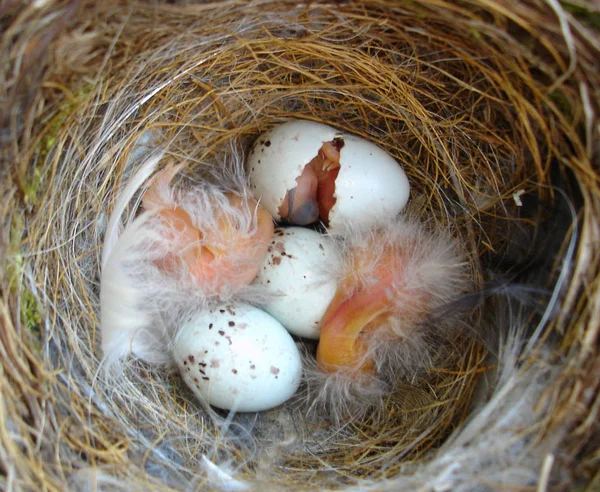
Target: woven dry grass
x=483 y=102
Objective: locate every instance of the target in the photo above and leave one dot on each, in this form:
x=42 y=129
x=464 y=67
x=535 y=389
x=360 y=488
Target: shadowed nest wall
x=489 y=106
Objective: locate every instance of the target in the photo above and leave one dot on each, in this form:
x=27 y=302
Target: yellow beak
x=356 y=310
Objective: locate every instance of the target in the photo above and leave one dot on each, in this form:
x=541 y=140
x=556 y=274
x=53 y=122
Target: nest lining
x=477 y=101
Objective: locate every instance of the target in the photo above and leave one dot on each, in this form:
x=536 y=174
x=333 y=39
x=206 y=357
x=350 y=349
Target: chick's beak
x=347 y=321
x=357 y=308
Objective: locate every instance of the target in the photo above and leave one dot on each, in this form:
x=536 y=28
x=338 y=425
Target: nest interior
x=490 y=108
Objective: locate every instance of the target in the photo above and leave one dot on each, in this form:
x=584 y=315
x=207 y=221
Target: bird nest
x=490 y=108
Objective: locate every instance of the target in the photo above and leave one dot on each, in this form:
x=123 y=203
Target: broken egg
x=237 y=357
x=303 y=171
x=299 y=275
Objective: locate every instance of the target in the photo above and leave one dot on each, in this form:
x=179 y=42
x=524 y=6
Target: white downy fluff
x=431 y=262
x=142 y=306
x=132 y=187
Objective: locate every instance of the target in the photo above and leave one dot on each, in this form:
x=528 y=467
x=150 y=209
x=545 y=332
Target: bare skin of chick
x=313 y=198
x=391 y=283
x=357 y=309
x=212 y=257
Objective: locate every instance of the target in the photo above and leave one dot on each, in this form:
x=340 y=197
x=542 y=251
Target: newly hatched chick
x=393 y=279
x=313 y=196
x=187 y=245
x=220 y=239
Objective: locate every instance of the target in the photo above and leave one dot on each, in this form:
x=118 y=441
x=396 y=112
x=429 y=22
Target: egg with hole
x=303 y=172
x=298 y=276
x=237 y=357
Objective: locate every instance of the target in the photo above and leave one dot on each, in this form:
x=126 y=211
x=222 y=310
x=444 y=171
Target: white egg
x=298 y=273
x=238 y=357
x=370 y=186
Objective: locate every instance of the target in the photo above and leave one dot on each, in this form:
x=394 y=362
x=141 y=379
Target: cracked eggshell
x=278 y=157
x=237 y=357
x=371 y=185
x=299 y=274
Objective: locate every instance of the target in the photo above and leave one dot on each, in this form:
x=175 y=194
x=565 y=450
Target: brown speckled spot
x=205 y=378
x=253 y=366
x=268 y=143
x=191 y=358
x=202 y=364
x=338 y=143
x=274 y=370
x=210 y=326
x=234 y=371
x=229 y=340
x=222 y=333
x=231 y=323
x=214 y=363
x=277 y=261
x=222 y=311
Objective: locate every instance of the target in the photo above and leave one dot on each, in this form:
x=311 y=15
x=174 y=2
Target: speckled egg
x=237 y=357
x=299 y=276
x=368 y=187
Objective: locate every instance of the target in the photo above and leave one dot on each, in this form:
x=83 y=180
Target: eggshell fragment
x=299 y=274
x=371 y=185
x=237 y=357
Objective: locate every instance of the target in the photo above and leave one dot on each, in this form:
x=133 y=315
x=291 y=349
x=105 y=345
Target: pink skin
x=312 y=198
x=212 y=258
x=361 y=307
x=302 y=200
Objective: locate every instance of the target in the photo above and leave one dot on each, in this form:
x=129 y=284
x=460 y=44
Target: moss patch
x=583 y=15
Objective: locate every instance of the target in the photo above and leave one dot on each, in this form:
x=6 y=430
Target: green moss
x=12 y=274
x=563 y=103
x=53 y=126
x=32 y=187
x=582 y=14
x=13 y=270
x=31 y=316
x=475 y=33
